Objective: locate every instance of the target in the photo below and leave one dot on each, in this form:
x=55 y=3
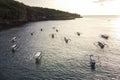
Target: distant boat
x=31 y=33
x=105 y=36
x=66 y=39
x=78 y=33
x=13 y=47
x=56 y=30
x=38 y=57
x=13 y=39
x=101 y=45
x=52 y=35
x=41 y=29
x=92 y=62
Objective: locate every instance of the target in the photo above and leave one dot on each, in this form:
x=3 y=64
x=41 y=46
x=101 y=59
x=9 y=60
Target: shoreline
x=14 y=24
x=14 y=13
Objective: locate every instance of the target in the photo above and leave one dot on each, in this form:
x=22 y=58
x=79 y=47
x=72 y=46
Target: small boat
x=41 y=29
x=31 y=33
x=105 y=36
x=13 y=47
x=92 y=62
x=38 y=57
x=52 y=35
x=13 y=39
x=56 y=30
x=101 y=45
x=66 y=39
x=78 y=33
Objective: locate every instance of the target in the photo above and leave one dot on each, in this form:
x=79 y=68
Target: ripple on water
x=60 y=61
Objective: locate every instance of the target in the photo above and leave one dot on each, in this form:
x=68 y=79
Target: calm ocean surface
x=61 y=61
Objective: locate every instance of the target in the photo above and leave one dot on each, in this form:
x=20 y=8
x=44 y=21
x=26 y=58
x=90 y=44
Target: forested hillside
x=15 y=13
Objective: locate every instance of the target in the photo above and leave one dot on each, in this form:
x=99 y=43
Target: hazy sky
x=84 y=7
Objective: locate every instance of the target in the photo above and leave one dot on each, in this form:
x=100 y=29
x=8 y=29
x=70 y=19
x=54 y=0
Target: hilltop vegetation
x=15 y=13
x=10 y=9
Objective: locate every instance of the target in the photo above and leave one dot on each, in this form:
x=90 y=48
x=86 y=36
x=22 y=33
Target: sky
x=83 y=7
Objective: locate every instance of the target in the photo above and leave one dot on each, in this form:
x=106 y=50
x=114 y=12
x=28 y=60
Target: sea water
x=61 y=60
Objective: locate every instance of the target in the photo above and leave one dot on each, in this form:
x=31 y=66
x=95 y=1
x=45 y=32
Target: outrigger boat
x=13 y=39
x=13 y=47
x=38 y=57
x=105 y=36
x=92 y=62
x=66 y=39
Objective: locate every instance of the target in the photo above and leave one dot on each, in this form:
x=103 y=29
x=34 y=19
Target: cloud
x=101 y=1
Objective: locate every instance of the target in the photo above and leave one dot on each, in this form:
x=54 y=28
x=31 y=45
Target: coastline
x=14 y=13
x=8 y=24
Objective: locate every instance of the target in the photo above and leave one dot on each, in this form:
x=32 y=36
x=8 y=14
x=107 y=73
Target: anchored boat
x=13 y=47
x=38 y=57
x=105 y=36
x=92 y=62
x=13 y=39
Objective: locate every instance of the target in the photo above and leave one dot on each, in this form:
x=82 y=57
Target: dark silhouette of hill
x=14 y=13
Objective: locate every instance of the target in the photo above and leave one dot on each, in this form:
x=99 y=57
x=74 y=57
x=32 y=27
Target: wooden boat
x=13 y=39
x=105 y=36
x=66 y=39
x=31 y=33
x=13 y=47
x=92 y=62
x=56 y=30
x=41 y=29
x=52 y=35
x=101 y=45
x=78 y=33
x=38 y=57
